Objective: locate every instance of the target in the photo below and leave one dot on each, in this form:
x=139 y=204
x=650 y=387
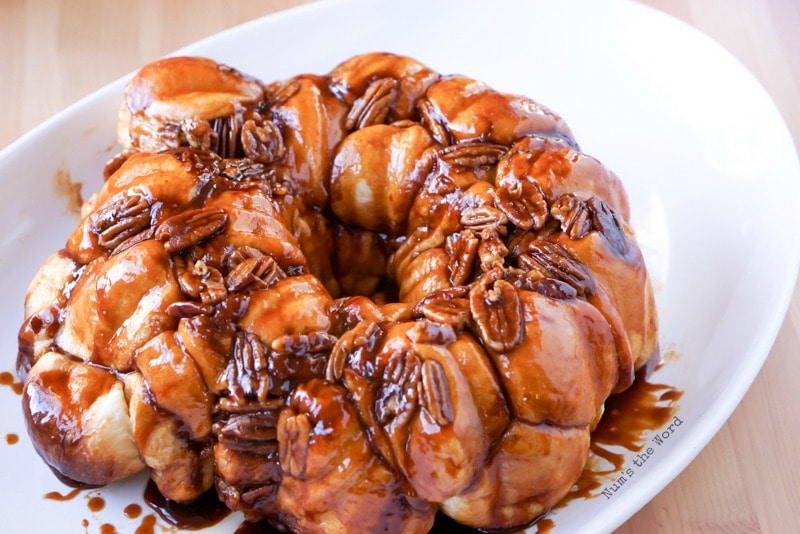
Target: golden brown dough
x=347 y=302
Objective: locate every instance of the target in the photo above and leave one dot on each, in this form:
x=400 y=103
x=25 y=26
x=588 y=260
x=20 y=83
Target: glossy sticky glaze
x=344 y=301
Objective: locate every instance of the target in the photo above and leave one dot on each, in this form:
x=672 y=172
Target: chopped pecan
x=121 y=219
x=398 y=395
x=434 y=122
x=190 y=227
x=374 y=105
x=484 y=216
x=462 y=249
x=246 y=374
x=254 y=273
x=551 y=260
x=497 y=314
x=262 y=142
x=435 y=395
x=472 y=154
x=523 y=202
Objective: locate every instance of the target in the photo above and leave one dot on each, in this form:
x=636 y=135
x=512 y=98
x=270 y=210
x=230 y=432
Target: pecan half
x=190 y=227
x=551 y=260
x=374 y=105
x=262 y=142
x=294 y=437
x=523 y=202
x=491 y=250
x=398 y=395
x=435 y=395
x=199 y=134
x=304 y=344
x=356 y=349
x=279 y=92
x=121 y=219
x=246 y=373
x=472 y=154
x=574 y=216
x=254 y=273
x=607 y=223
x=452 y=312
x=462 y=249
x=253 y=432
x=485 y=216
x=497 y=314
x=227 y=135
x=434 y=122
x=201 y=281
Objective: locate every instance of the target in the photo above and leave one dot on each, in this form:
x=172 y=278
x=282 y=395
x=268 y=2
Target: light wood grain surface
x=747 y=480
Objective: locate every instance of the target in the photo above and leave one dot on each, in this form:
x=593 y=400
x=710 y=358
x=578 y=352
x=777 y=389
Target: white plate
x=709 y=164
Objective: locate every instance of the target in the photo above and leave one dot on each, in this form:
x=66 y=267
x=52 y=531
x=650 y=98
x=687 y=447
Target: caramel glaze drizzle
x=644 y=407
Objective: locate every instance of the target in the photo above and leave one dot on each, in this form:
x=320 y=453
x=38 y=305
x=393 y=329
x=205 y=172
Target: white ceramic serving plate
x=710 y=167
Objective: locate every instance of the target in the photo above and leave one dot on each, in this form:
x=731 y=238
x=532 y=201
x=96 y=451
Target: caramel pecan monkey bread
x=346 y=302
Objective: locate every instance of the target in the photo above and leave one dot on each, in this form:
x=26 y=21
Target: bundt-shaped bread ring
x=346 y=302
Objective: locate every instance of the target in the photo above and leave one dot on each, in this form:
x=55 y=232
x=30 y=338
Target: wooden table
x=57 y=51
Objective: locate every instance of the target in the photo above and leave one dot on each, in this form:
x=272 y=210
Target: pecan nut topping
x=279 y=92
x=491 y=250
x=190 y=227
x=462 y=248
x=374 y=105
x=246 y=374
x=484 y=216
x=262 y=142
x=294 y=436
x=523 y=202
x=355 y=349
x=435 y=394
x=472 y=154
x=551 y=260
x=121 y=219
x=398 y=395
x=254 y=273
x=434 y=122
x=497 y=314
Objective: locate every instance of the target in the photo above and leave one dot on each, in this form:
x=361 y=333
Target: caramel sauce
x=132 y=511
x=8 y=379
x=107 y=528
x=628 y=417
x=545 y=525
x=262 y=527
x=201 y=513
x=96 y=504
x=12 y=439
x=71 y=191
x=56 y=496
x=147 y=526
